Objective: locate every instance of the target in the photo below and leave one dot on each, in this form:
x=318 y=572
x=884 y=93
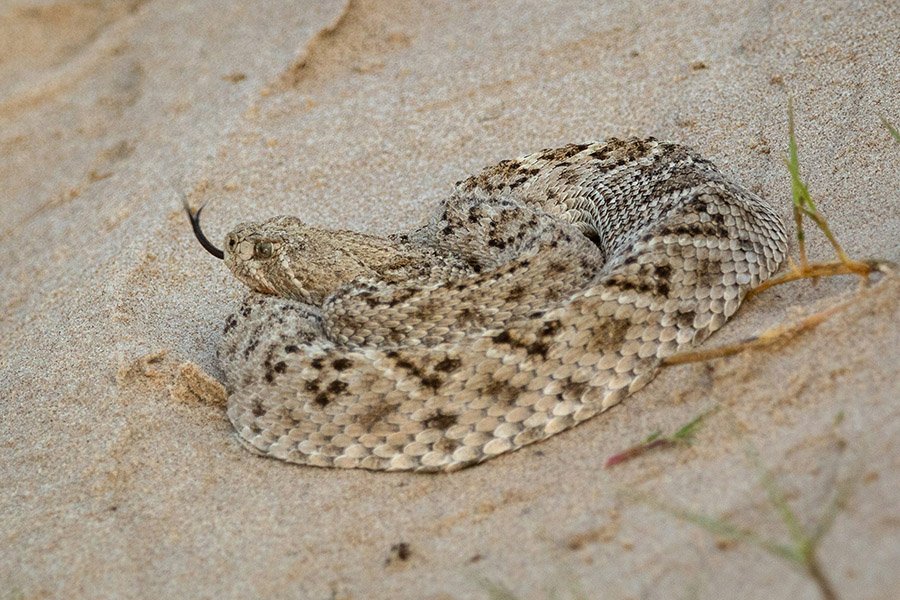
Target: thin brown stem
x=810 y=271
x=818 y=576
x=768 y=337
x=637 y=450
x=780 y=333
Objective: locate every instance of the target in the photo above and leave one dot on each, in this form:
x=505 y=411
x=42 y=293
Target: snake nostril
x=231 y=242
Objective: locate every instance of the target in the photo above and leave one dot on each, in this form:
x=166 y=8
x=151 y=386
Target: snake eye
x=263 y=250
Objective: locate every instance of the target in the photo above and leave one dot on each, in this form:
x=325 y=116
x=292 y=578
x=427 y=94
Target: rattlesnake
x=543 y=291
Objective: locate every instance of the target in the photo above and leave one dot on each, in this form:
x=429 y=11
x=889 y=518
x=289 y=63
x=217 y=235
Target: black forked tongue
x=195 y=224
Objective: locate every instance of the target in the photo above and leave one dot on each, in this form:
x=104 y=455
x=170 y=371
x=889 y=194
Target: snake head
x=263 y=256
x=285 y=257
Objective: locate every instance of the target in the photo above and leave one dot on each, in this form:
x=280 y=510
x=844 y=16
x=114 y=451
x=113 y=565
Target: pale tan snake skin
x=543 y=291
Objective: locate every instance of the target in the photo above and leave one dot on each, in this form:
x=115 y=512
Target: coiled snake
x=542 y=291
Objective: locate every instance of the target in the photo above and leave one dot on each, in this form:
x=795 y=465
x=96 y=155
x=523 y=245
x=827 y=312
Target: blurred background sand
x=117 y=482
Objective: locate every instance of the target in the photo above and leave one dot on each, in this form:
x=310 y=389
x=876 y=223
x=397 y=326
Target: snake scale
x=542 y=291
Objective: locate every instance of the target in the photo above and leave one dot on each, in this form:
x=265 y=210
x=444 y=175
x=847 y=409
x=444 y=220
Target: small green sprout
x=656 y=440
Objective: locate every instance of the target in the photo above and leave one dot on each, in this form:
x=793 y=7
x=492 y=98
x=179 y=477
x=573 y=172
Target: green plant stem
x=801 y=236
x=820 y=221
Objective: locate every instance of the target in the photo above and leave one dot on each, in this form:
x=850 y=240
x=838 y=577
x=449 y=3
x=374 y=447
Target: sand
x=120 y=476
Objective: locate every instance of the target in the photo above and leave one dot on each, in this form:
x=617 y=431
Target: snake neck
x=342 y=258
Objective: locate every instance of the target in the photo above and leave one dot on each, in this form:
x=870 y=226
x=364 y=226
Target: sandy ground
x=120 y=480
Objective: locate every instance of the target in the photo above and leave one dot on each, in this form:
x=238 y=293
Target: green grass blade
x=802 y=199
x=727 y=530
x=497 y=591
x=779 y=501
x=844 y=489
x=799 y=190
x=721 y=528
x=894 y=133
x=687 y=431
